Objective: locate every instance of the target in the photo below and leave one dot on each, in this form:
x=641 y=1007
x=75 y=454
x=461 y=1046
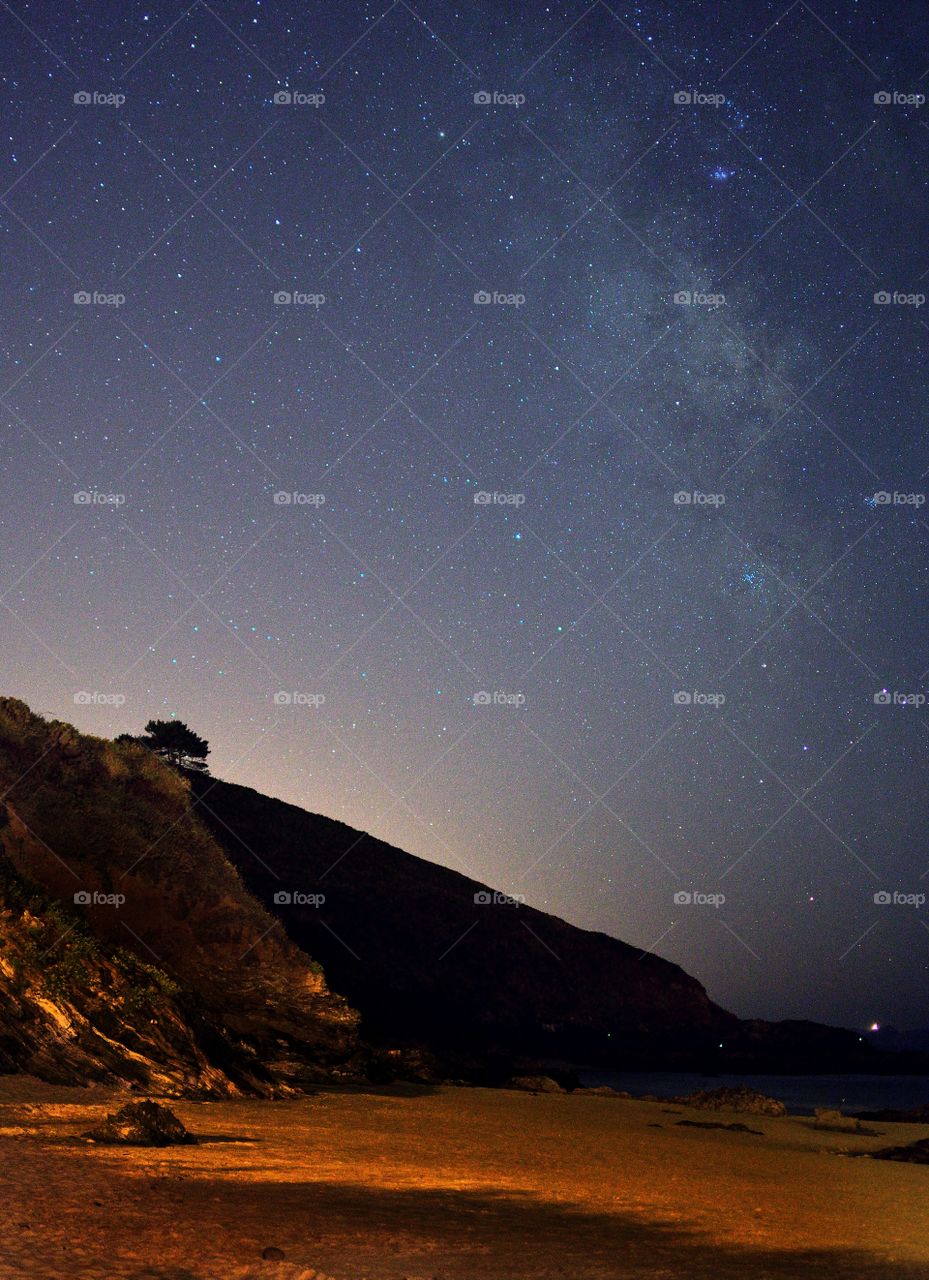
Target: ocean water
x=800 y=1094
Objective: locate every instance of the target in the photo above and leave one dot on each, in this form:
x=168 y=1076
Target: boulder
x=826 y=1118
x=141 y=1124
x=535 y=1084
x=740 y=1099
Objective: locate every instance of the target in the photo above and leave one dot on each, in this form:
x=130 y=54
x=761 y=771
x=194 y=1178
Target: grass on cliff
x=87 y=815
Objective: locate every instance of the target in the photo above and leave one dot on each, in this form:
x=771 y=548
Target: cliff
x=107 y=834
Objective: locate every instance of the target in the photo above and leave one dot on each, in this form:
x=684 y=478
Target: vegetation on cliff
x=145 y=899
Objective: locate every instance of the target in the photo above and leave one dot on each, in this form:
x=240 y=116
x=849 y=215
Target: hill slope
x=107 y=832
x=412 y=945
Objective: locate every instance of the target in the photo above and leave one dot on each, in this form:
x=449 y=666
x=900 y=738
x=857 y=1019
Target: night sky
x=687 y=298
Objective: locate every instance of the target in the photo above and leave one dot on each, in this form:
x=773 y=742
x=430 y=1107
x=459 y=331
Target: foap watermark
x=486 y=897
x=883 y=498
x=92 y=98
x=695 y=898
x=284 y=699
x=697 y=98
x=884 y=298
x=484 y=498
x=694 y=298
x=493 y=98
x=893 y=98
x=88 y=898
x=296 y=898
x=295 y=98
x=694 y=698
x=498 y=698
x=84 y=298
x=285 y=499
x=94 y=698
x=94 y=498
x=895 y=698
x=696 y=498
x=485 y=299
x=294 y=298
x=894 y=898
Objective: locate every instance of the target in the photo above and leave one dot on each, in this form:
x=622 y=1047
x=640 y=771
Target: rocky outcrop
x=73 y=1010
x=141 y=1124
x=535 y=1084
x=893 y=1115
x=834 y=1121
x=741 y=1099
x=129 y=947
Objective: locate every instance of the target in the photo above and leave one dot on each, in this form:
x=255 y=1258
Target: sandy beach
x=454 y=1184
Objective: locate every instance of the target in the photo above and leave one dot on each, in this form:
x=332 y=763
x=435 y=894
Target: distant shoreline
x=801 y=1094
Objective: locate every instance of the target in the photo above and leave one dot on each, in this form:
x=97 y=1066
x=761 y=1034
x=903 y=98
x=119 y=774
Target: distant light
x=875 y=1026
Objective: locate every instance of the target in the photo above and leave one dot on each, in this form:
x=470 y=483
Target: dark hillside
x=413 y=946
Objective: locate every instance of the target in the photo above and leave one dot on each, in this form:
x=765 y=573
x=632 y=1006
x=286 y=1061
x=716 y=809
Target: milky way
x=501 y=427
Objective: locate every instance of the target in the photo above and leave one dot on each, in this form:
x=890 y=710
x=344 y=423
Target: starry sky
x=500 y=426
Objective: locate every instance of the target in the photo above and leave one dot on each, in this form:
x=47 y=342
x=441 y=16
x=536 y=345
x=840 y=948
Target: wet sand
x=459 y=1184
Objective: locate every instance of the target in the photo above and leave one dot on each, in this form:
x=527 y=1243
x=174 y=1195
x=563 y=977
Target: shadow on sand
x=348 y=1230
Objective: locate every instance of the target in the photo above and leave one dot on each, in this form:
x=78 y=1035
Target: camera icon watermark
x=94 y=498
x=484 y=298
x=294 y=298
x=896 y=698
x=94 y=698
x=883 y=498
x=88 y=98
x=694 y=298
x=487 y=897
x=498 y=698
x=888 y=898
x=893 y=98
x=695 y=898
x=84 y=898
x=289 y=499
x=694 y=698
x=284 y=699
x=483 y=498
x=696 y=98
x=697 y=498
x=84 y=298
x=293 y=98
x=296 y=898
x=884 y=298
x=488 y=98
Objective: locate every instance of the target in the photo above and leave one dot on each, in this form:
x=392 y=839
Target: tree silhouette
x=174 y=742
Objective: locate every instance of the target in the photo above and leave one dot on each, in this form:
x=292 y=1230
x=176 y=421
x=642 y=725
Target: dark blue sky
x=653 y=464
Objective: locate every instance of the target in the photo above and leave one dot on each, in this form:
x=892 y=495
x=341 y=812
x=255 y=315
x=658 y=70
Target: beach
x=451 y=1183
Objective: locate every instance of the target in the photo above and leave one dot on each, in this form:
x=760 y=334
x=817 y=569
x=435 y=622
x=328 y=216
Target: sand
x=459 y=1184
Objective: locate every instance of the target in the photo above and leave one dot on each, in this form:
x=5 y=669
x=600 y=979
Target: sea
x=800 y=1094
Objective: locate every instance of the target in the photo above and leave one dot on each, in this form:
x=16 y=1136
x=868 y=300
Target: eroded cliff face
x=104 y=858
x=70 y=1013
